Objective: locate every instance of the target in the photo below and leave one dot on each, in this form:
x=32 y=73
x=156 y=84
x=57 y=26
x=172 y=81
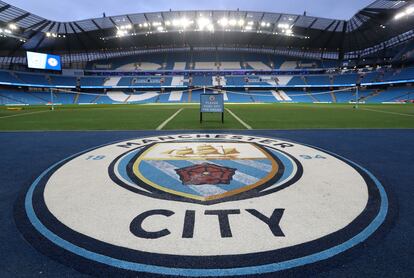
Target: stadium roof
x=370 y=26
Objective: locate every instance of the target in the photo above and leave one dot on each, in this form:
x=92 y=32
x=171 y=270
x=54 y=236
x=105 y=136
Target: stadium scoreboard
x=43 y=61
x=211 y=103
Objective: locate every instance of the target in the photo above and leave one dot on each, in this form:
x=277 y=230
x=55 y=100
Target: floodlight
x=232 y=22
x=183 y=22
x=12 y=26
x=203 y=22
x=223 y=22
x=186 y=22
x=240 y=22
x=121 y=33
x=125 y=27
x=284 y=26
x=409 y=10
x=249 y=28
x=406 y=12
x=176 y=22
x=399 y=15
x=160 y=28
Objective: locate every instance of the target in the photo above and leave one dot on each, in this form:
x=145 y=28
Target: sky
x=70 y=10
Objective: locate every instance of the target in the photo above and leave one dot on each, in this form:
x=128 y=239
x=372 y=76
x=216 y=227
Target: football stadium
x=206 y=139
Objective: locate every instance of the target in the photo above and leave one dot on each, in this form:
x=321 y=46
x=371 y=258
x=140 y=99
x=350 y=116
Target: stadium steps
x=312 y=96
x=251 y=97
x=95 y=100
x=48 y=79
x=398 y=97
x=309 y=93
x=280 y=96
x=305 y=81
x=381 y=76
x=374 y=94
x=126 y=100
x=42 y=99
x=17 y=77
x=12 y=99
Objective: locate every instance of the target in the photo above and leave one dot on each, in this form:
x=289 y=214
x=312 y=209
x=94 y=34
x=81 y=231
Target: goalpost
x=307 y=94
x=52 y=102
x=256 y=96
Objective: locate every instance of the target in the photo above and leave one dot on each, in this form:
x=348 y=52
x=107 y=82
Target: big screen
x=43 y=61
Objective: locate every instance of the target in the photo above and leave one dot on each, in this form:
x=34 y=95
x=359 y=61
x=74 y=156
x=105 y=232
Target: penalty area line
x=23 y=114
x=387 y=112
x=238 y=119
x=161 y=126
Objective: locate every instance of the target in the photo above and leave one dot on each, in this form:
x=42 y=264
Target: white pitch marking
x=169 y=119
x=238 y=119
x=23 y=114
x=387 y=112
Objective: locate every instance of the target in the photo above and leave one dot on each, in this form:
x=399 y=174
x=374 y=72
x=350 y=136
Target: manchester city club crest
x=205 y=172
x=201 y=205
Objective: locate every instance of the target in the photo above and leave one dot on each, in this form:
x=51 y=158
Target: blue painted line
x=286 y=161
x=268 y=268
x=122 y=166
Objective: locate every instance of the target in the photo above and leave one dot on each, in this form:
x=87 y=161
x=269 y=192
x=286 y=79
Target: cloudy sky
x=68 y=10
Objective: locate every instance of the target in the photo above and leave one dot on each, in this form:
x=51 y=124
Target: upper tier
x=199 y=70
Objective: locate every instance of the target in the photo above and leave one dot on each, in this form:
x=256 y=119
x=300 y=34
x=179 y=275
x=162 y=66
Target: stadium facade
x=174 y=56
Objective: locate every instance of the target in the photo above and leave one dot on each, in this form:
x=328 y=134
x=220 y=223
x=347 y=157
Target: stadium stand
x=348 y=78
x=92 y=81
x=6 y=76
x=63 y=80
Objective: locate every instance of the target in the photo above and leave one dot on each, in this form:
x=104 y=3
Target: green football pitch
x=186 y=117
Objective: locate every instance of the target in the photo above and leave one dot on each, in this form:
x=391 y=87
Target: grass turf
x=258 y=116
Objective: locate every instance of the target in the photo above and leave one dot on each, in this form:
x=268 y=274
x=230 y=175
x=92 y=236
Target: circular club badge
x=203 y=205
x=52 y=62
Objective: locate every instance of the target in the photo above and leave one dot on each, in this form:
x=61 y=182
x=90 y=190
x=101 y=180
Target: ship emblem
x=204 y=172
